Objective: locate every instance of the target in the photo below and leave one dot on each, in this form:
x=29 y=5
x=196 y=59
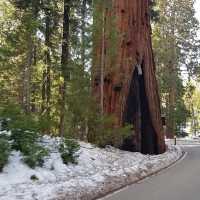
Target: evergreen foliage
x=102 y=132
x=154 y=12
x=31 y=69
x=24 y=135
x=176 y=45
x=4 y=151
x=68 y=150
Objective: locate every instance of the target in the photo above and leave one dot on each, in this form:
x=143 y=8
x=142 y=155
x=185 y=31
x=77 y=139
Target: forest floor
x=98 y=172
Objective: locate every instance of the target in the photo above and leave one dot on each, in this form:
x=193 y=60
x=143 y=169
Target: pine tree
x=65 y=62
x=175 y=45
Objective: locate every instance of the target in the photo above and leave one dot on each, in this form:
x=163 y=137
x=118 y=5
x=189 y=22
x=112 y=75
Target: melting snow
x=98 y=172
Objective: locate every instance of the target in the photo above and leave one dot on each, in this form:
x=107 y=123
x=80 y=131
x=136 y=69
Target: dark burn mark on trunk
x=143 y=138
x=117 y=87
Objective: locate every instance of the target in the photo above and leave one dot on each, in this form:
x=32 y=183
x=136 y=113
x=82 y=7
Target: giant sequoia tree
x=124 y=79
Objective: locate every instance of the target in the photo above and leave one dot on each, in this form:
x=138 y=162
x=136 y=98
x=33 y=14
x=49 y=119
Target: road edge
x=143 y=178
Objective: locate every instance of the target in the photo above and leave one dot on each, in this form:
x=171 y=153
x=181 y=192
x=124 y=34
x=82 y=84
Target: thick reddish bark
x=130 y=95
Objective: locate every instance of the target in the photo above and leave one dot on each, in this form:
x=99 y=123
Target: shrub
x=68 y=150
x=27 y=142
x=102 y=132
x=22 y=139
x=14 y=118
x=35 y=156
x=34 y=178
x=10 y=111
x=4 y=124
x=4 y=152
x=24 y=134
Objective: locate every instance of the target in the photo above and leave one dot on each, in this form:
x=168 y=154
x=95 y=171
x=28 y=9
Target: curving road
x=180 y=182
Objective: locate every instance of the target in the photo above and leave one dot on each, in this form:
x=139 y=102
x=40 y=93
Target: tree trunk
x=26 y=78
x=172 y=67
x=46 y=76
x=64 y=64
x=48 y=66
x=84 y=3
x=83 y=30
x=171 y=124
x=46 y=82
x=130 y=86
x=34 y=84
x=27 y=69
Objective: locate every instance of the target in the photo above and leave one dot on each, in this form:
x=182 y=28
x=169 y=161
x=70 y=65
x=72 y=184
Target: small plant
x=34 y=178
x=34 y=156
x=4 y=124
x=68 y=150
x=13 y=117
x=24 y=134
x=4 y=152
x=26 y=142
x=22 y=139
x=103 y=133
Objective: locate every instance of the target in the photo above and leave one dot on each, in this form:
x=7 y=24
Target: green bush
x=23 y=139
x=4 y=124
x=20 y=120
x=102 y=131
x=10 y=111
x=34 y=178
x=27 y=142
x=24 y=134
x=4 y=152
x=68 y=150
x=34 y=156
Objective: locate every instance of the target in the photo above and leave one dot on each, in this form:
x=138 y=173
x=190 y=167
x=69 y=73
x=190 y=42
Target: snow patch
x=98 y=172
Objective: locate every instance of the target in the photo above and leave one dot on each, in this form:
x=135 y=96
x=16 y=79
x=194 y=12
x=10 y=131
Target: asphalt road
x=180 y=182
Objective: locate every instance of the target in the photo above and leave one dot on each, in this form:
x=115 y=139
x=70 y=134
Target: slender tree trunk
x=48 y=66
x=64 y=64
x=130 y=86
x=171 y=126
x=27 y=70
x=102 y=62
x=194 y=119
x=83 y=27
x=84 y=131
x=26 y=78
x=46 y=83
x=43 y=91
x=171 y=123
x=34 y=85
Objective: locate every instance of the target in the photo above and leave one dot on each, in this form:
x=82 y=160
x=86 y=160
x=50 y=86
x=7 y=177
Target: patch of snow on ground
x=98 y=172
